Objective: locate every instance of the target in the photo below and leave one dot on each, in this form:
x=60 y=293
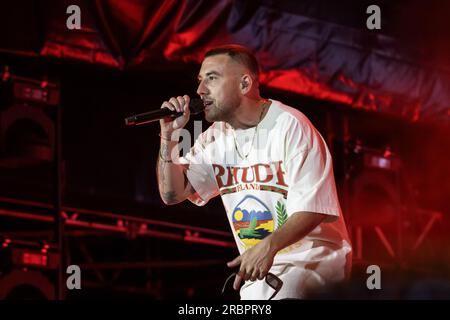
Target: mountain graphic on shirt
x=252 y=220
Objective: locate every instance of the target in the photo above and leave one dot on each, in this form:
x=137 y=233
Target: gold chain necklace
x=254 y=134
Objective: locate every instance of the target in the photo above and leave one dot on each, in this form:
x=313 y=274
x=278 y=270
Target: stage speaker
x=26 y=285
x=374 y=206
x=375 y=218
x=27 y=138
x=28 y=270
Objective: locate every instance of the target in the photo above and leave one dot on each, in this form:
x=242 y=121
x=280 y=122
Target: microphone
x=195 y=106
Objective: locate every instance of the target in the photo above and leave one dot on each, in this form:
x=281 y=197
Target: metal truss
x=84 y=231
x=86 y=221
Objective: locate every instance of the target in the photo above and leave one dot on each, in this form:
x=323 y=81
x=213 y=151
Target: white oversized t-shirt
x=288 y=169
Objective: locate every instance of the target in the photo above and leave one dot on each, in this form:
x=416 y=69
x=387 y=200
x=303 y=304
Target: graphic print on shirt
x=261 y=176
x=281 y=213
x=252 y=220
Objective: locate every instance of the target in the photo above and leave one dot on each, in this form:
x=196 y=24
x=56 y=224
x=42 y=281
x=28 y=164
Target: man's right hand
x=179 y=104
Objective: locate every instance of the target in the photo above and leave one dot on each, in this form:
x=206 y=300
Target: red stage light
x=34 y=259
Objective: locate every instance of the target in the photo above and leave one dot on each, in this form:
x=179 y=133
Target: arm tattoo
x=169 y=196
x=165 y=153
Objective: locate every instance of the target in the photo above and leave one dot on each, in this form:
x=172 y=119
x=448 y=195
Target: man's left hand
x=254 y=263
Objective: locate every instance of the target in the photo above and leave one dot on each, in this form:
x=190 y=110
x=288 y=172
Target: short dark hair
x=239 y=54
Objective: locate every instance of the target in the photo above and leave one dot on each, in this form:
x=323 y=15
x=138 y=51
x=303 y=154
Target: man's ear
x=246 y=83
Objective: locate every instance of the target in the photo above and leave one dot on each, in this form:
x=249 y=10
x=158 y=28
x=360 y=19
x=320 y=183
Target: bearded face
x=219 y=79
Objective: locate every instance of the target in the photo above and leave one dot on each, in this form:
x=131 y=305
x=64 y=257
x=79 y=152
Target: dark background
x=122 y=63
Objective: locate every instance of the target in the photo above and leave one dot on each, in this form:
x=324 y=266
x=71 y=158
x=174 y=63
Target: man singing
x=274 y=173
